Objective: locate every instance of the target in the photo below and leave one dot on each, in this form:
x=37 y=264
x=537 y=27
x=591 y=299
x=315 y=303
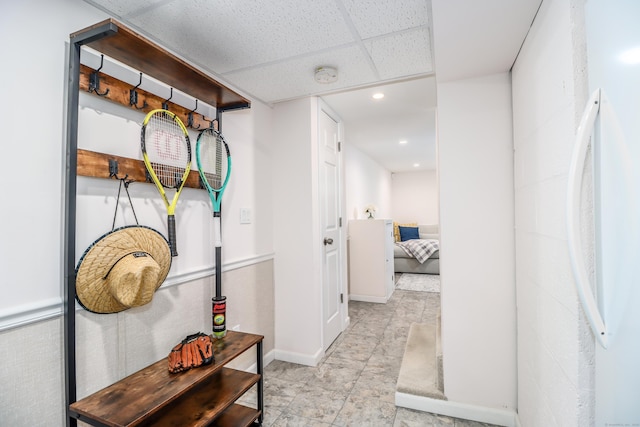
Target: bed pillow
x=396 y=231
x=408 y=233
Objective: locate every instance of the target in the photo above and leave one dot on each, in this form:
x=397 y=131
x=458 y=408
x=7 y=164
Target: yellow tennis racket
x=167 y=155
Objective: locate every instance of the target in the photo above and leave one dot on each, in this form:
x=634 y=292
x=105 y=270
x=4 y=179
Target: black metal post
x=70 y=186
x=219 y=249
x=260 y=384
x=70 y=165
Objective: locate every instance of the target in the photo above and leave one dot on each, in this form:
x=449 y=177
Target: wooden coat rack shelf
x=122 y=44
x=96 y=165
x=114 y=40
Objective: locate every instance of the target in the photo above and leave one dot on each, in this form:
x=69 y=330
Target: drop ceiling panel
x=252 y=44
x=293 y=78
x=376 y=17
x=401 y=54
x=232 y=35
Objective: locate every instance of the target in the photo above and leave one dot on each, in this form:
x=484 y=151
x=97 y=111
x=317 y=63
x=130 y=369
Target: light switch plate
x=245 y=216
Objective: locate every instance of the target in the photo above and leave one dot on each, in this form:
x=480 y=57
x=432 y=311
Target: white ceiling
x=407 y=112
x=269 y=50
x=478 y=38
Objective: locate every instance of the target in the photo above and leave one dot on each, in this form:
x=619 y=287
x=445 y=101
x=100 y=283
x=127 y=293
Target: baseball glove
x=193 y=351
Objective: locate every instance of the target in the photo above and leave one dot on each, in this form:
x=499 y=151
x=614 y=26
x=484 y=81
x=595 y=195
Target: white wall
x=249 y=133
x=366 y=183
x=36 y=33
x=114 y=129
x=414 y=197
x=477 y=252
x=555 y=348
x=102 y=123
x=109 y=346
x=296 y=226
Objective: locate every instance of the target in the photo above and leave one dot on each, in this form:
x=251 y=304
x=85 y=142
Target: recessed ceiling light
x=402 y=141
x=416 y=165
x=378 y=95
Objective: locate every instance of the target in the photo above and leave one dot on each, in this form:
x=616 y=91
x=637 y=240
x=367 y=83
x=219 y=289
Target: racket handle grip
x=171 y=224
x=217 y=231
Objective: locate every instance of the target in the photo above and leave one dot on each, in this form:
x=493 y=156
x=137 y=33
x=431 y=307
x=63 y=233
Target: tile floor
x=354 y=385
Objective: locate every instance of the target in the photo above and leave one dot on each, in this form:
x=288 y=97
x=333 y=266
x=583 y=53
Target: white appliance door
x=613 y=51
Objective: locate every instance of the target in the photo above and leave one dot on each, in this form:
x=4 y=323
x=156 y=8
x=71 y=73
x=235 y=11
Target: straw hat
x=122 y=269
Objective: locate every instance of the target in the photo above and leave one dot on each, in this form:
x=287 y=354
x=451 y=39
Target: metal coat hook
x=113 y=168
x=94 y=80
x=133 y=96
x=211 y=122
x=113 y=173
x=190 y=118
x=165 y=104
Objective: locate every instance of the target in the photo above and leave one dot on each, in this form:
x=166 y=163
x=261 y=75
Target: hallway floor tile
x=354 y=385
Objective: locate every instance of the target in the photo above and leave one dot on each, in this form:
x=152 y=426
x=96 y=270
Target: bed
x=406 y=263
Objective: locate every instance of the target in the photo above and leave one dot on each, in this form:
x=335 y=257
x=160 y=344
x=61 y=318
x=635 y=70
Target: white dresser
x=371 y=276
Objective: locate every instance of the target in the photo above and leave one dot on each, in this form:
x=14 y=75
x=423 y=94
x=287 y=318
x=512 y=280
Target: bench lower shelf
x=203 y=396
x=207 y=401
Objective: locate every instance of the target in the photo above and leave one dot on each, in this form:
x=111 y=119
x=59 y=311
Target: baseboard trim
x=346 y=324
x=266 y=359
x=269 y=357
x=457 y=410
x=368 y=298
x=300 y=358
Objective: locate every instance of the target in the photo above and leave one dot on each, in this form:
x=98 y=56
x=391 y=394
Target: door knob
x=328 y=241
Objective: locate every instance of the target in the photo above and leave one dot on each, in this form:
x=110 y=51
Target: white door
x=329 y=160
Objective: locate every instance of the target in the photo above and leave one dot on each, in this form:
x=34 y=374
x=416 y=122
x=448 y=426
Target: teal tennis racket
x=214 y=164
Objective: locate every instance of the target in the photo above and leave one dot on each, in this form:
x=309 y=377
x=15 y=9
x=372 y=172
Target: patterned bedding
x=420 y=249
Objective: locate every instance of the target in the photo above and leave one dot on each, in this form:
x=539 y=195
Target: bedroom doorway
x=391 y=163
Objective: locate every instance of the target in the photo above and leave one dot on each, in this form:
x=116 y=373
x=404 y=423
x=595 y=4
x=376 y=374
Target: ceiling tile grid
x=254 y=43
x=373 y=18
x=235 y=35
x=401 y=54
x=295 y=77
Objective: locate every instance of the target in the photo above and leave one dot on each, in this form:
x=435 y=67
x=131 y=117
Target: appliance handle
x=576 y=169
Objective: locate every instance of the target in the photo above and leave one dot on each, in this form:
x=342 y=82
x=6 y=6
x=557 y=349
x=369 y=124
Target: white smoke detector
x=326 y=75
